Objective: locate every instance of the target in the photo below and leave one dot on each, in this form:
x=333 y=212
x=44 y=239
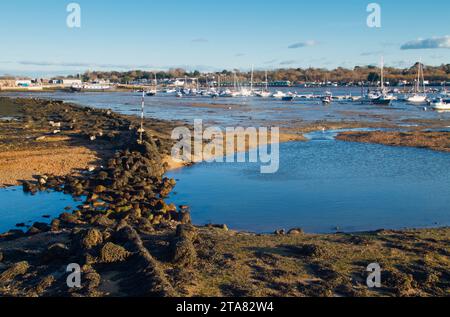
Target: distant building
x=71 y=82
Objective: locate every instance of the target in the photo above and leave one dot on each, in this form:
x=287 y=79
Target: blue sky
x=213 y=35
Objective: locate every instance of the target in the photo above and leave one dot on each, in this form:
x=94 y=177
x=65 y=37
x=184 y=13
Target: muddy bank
x=438 y=141
x=137 y=259
x=129 y=242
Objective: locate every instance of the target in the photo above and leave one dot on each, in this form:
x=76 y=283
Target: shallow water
x=18 y=207
x=244 y=111
x=323 y=186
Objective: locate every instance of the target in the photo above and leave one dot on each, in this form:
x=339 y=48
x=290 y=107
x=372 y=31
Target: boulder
x=55 y=225
x=69 y=218
x=15 y=270
x=296 y=232
x=56 y=253
x=39 y=227
x=185 y=217
x=92 y=238
x=112 y=253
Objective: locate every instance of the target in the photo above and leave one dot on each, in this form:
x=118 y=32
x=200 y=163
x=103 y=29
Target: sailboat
x=152 y=93
x=382 y=97
x=417 y=97
x=245 y=92
x=327 y=98
x=265 y=93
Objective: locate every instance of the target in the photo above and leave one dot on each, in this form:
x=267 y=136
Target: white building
x=71 y=82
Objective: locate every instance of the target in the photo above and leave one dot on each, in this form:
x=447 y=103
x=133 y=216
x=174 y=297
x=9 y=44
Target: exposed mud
x=439 y=141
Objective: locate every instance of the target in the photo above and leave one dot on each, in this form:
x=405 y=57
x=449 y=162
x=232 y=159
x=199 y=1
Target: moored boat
x=440 y=105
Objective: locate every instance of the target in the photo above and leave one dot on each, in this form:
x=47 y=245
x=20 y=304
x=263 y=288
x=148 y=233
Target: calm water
x=244 y=111
x=18 y=207
x=323 y=186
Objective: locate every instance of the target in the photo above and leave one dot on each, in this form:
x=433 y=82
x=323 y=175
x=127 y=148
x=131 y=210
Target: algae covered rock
x=112 y=253
x=15 y=270
x=92 y=238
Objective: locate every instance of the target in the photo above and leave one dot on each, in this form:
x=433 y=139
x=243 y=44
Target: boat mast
x=267 y=82
x=251 y=81
x=423 y=76
x=418 y=77
x=382 y=73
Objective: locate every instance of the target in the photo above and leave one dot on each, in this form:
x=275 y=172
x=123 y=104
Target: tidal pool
x=18 y=207
x=322 y=186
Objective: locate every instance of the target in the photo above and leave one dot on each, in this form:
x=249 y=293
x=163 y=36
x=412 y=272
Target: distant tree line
x=294 y=75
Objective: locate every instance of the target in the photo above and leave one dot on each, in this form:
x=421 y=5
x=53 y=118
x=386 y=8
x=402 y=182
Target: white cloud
x=303 y=44
x=431 y=43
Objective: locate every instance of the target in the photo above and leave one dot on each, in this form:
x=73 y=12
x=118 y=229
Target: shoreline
x=136 y=232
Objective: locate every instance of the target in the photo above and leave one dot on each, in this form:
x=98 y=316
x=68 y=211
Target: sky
x=214 y=35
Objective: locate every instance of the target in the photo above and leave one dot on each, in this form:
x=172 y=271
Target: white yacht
x=418 y=97
x=265 y=93
x=279 y=95
x=440 y=105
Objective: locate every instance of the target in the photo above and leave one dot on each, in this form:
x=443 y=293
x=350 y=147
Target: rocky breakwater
x=121 y=201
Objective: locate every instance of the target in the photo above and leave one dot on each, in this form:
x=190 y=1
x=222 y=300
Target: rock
x=56 y=253
x=99 y=189
x=69 y=218
x=112 y=253
x=15 y=270
x=223 y=227
x=39 y=227
x=92 y=239
x=183 y=250
x=21 y=225
x=103 y=221
x=55 y=225
x=186 y=232
x=42 y=180
x=41 y=138
x=45 y=284
x=296 y=231
x=185 y=217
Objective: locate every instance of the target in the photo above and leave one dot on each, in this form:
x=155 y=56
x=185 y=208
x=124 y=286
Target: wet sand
x=16 y=166
x=129 y=242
